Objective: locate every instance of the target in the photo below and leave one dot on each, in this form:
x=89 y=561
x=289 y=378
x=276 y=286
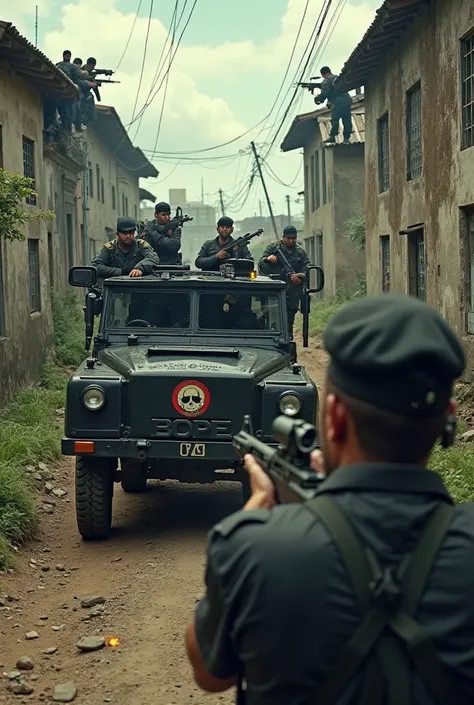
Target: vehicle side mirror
x=315 y=279
x=85 y=277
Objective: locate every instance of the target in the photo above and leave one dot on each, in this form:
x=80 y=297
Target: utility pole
x=202 y=190
x=260 y=207
x=269 y=204
x=289 y=209
x=36 y=26
x=221 y=199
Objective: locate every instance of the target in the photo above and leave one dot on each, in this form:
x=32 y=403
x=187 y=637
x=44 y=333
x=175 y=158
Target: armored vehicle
x=178 y=359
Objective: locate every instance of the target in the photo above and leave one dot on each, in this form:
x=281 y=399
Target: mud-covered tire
x=133 y=476
x=94 y=494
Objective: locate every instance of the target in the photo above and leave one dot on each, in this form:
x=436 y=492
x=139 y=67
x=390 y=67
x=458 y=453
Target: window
x=126 y=206
x=123 y=204
x=97 y=174
x=385 y=261
x=313 y=193
x=29 y=166
x=317 y=181
x=414 y=146
x=102 y=190
x=239 y=312
x=51 y=260
x=417 y=264
x=309 y=247
x=323 y=174
x=34 y=275
x=114 y=203
x=2 y=295
x=318 y=249
x=124 y=307
x=70 y=239
x=1 y=146
x=384 y=164
x=91 y=181
x=467 y=253
x=467 y=92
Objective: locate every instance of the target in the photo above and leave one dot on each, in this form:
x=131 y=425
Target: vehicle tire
x=133 y=476
x=94 y=493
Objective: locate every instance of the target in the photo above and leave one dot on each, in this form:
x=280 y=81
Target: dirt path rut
x=150 y=574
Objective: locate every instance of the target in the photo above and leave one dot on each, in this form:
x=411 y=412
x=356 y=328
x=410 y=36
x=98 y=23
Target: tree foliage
x=355 y=231
x=14 y=189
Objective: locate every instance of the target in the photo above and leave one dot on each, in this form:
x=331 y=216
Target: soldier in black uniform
x=211 y=255
x=126 y=254
x=289 y=585
x=163 y=237
x=299 y=260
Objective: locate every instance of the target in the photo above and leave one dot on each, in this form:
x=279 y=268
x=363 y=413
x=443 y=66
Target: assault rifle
x=243 y=239
x=102 y=72
x=288 y=465
x=310 y=86
x=179 y=218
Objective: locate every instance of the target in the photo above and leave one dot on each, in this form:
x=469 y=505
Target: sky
x=224 y=82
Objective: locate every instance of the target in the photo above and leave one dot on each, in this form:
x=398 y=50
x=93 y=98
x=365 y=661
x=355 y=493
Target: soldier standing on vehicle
x=211 y=255
x=299 y=260
x=340 y=103
x=382 y=545
x=126 y=255
x=165 y=238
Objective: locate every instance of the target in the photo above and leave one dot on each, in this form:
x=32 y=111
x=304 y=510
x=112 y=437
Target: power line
x=144 y=57
x=129 y=37
x=276 y=178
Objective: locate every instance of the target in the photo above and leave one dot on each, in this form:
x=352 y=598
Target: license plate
x=192 y=450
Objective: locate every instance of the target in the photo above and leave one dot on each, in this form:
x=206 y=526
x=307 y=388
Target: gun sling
x=389 y=642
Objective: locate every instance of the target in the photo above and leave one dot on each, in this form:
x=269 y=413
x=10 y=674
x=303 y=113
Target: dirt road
x=150 y=574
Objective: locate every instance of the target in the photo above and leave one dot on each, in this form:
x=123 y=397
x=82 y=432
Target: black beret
x=126 y=224
x=290 y=231
x=162 y=207
x=225 y=222
x=395 y=352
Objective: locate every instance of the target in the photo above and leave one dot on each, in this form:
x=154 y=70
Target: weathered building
x=334 y=193
x=26 y=76
x=416 y=62
x=114 y=167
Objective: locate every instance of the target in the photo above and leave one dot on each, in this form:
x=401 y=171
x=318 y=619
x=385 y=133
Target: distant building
x=334 y=192
x=416 y=62
x=27 y=268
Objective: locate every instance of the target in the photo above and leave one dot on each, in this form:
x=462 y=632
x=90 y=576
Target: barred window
x=467 y=92
x=29 y=166
x=414 y=145
x=34 y=275
x=385 y=261
x=384 y=163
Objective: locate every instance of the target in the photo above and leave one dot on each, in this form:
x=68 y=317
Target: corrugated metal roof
x=392 y=19
x=304 y=126
x=31 y=64
x=358 y=129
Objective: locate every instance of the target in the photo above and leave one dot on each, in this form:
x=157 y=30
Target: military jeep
x=178 y=359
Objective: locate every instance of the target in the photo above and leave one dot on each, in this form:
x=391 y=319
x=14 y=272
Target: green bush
x=32 y=427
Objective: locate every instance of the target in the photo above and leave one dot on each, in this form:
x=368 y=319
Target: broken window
x=384 y=164
x=414 y=146
x=467 y=92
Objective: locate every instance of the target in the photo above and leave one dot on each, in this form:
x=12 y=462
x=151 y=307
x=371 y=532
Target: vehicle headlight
x=290 y=404
x=93 y=398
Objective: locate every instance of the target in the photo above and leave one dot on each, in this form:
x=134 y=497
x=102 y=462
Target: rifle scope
x=295 y=433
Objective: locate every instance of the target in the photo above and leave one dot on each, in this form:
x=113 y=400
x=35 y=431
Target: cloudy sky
x=224 y=80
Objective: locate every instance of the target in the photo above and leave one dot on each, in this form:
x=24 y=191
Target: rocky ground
x=104 y=622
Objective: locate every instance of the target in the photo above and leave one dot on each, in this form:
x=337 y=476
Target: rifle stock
x=287 y=465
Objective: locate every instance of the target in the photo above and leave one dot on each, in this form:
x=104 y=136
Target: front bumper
x=150 y=449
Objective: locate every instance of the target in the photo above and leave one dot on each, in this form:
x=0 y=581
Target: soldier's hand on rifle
x=263 y=491
x=273 y=259
x=317 y=462
x=296 y=279
x=136 y=273
x=222 y=254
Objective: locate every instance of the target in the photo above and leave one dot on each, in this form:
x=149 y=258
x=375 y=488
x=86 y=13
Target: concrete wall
x=103 y=215
x=430 y=53
x=345 y=196
x=26 y=338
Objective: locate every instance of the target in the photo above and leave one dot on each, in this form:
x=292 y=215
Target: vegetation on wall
x=355 y=231
x=14 y=190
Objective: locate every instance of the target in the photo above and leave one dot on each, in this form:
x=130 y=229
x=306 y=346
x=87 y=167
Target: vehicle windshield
x=239 y=312
x=143 y=309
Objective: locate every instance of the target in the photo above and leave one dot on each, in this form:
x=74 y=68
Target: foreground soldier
x=126 y=254
x=165 y=239
x=211 y=255
x=288 y=586
x=299 y=260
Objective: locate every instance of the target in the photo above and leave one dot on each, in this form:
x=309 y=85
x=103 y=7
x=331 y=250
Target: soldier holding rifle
x=363 y=594
x=215 y=252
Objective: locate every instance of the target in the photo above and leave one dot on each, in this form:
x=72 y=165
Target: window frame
x=35 y=306
x=413 y=170
x=383 y=153
x=467 y=132
x=29 y=169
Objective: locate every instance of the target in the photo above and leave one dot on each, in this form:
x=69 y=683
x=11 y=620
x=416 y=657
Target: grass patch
x=456 y=467
x=32 y=427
